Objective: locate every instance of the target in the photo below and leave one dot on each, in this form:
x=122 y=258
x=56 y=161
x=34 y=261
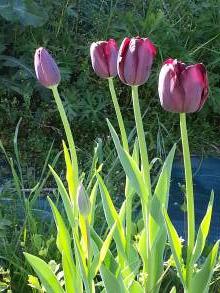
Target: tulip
x=104 y=58
x=46 y=69
x=135 y=59
x=83 y=201
x=182 y=89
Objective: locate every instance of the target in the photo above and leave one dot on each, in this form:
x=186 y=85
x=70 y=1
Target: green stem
x=141 y=139
x=126 y=148
x=118 y=114
x=189 y=187
x=146 y=176
x=89 y=253
x=68 y=132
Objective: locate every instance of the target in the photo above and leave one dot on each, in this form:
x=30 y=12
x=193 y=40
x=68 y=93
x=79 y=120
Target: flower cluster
x=182 y=88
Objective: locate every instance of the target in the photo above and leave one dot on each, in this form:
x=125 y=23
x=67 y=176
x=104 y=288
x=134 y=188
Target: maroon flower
x=182 y=89
x=46 y=69
x=135 y=59
x=104 y=58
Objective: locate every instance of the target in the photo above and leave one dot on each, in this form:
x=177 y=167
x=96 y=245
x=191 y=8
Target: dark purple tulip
x=46 y=69
x=182 y=89
x=135 y=59
x=104 y=58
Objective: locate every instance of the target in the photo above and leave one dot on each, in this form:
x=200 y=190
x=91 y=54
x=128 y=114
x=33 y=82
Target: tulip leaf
x=203 y=232
x=109 y=260
x=103 y=251
x=136 y=288
x=176 y=246
x=64 y=245
x=93 y=203
x=69 y=173
x=112 y=216
x=45 y=273
x=130 y=167
x=111 y=282
x=64 y=196
x=73 y=283
x=160 y=199
x=173 y=290
x=201 y=279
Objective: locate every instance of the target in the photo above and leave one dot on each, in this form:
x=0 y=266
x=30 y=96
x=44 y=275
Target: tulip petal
x=111 y=53
x=170 y=90
x=47 y=71
x=121 y=58
x=194 y=86
x=99 y=64
x=131 y=61
x=146 y=53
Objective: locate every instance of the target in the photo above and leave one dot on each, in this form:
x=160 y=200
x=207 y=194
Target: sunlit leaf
x=44 y=272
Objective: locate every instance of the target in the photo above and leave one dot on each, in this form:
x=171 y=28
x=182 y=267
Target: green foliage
x=187 y=31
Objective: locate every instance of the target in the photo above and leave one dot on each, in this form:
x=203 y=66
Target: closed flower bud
x=83 y=201
x=104 y=58
x=46 y=69
x=135 y=59
x=182 y=89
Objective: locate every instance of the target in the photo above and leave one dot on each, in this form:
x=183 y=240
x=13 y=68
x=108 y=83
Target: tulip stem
x=118 y=114
x=141 y=140
x=124 y=139
x=68 y=132
x=146 y=176
x=189 y=187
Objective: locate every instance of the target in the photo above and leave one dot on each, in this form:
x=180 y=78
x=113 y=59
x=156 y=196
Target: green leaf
x=160 y=199
x=130 y=167
x=173 y=290
x=203 y=232
x=136 y=288
x=109 y=260
x=112 y=216
x=64 y=246
x=103 y=252
x=112 y=283
x=73 y=283
x=65 y=197
x=201 y=280
x=93 y=203
x=157 y=227
x=44 y=272
x=176 y=247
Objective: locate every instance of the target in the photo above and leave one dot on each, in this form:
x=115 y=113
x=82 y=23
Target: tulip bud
x=135 y=59
x=83 y=201
x=182 y=89
x=46 y=69
x=104 y=58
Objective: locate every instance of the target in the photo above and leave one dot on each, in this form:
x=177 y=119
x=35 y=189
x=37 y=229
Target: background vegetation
x=187 y=30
